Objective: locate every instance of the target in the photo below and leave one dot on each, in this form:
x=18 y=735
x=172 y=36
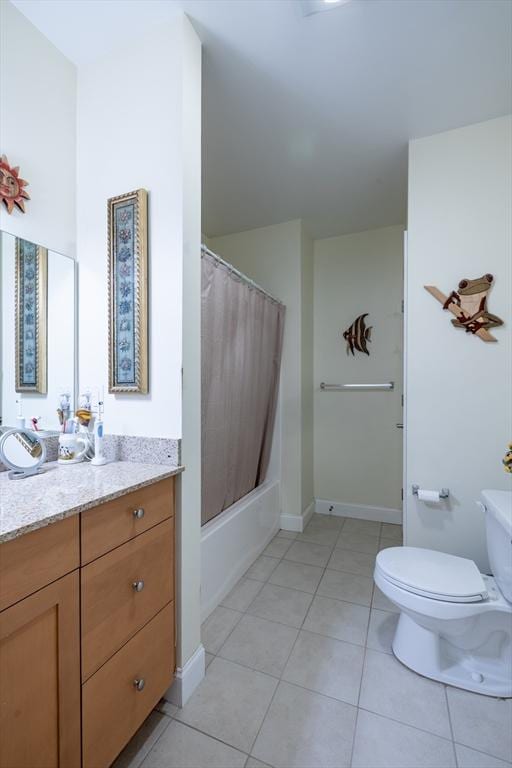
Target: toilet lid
x=432 y=574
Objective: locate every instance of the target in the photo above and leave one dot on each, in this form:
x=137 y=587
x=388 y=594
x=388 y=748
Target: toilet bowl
x=455 y=623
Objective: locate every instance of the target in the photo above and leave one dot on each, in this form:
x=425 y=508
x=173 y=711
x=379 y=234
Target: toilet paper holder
x=443 y=493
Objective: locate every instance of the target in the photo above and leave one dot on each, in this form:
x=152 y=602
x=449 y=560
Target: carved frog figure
x=471 y=297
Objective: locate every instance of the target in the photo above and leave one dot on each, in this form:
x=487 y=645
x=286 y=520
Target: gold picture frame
x=31 y=317
x=128 y=293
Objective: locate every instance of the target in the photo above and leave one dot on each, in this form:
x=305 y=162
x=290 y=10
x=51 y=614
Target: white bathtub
x=233 y=540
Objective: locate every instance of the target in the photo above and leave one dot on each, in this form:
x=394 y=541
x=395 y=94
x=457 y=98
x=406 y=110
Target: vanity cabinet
x=40 y=650
x=87 y=631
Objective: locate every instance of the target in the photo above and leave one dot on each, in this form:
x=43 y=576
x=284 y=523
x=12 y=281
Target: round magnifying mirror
x=22 y=452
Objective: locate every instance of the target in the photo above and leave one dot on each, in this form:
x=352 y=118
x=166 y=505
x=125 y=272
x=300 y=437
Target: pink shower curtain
x=241 y=337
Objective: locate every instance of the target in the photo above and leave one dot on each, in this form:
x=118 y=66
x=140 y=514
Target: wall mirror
x=38 y=346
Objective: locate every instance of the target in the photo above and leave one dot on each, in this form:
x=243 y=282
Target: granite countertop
x=61 y=491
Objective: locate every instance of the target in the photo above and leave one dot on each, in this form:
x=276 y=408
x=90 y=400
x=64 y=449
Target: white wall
x=189 y=528
x=307 y=368
x=272 y=257
x=459 y=417
x=357 y=447
x=139 y=124
x=37 y=131
x=131 y=135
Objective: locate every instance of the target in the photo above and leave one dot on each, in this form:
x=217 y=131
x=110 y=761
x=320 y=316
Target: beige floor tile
x=332 y=522
x=209 y=657
x=381 y=630
x=260 y=644
x=184 y=747
x=360 y=563
x=242 y=595
x=277 y=547
x=343 y=621
x=286 y=535
x=481 y=722
x=230 y=703
x=383 y=743
x=358 y=542
x=388 y=543
x=143 y=741
x=217 y=627
x=366 y=527
x=318 y=534
x=326 y=666
x=253 y=763
x=166 y=708
x=391 y=531
x=470 y=758
x=390 y=689
x=297 y=576
x=262 y=568
x=305 y=730
x=308 y=553
x=287 y=606
x=346 y=586
x=381 y=602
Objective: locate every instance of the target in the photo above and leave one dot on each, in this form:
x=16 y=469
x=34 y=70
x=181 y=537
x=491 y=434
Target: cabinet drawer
x=113 y=609
x=112 y=706
x=111 y=524
x=36 y=559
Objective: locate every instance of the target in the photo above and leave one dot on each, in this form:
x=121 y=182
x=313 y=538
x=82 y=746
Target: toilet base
x=432 y=655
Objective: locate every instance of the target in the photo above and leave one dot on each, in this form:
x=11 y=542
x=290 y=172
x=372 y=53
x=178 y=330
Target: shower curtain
x=241 y=337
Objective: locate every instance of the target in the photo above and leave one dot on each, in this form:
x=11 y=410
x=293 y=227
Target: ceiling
x=309 y=117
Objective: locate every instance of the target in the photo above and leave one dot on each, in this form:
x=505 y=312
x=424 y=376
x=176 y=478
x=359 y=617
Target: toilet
x=455 y=623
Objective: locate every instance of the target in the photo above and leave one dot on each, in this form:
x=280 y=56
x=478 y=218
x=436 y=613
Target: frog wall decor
x=469 y=305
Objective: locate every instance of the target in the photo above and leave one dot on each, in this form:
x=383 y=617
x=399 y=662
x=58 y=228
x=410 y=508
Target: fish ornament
x=357 y=335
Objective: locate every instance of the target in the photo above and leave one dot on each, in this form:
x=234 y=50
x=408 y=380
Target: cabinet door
x=40 y=679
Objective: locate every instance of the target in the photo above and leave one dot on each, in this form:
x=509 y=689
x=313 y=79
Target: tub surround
x=60 y=492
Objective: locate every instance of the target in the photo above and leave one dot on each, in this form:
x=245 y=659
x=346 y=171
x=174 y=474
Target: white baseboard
x=297 y=523
x=186 y=679
x=360 y=511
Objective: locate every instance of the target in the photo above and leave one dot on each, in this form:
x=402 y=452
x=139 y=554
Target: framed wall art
x=31 y=311
x=128 y=292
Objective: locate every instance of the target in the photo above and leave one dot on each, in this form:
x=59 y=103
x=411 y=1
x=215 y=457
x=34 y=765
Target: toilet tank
x=498 y=522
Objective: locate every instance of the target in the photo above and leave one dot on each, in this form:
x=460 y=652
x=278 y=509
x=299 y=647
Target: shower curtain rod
x=239 y=274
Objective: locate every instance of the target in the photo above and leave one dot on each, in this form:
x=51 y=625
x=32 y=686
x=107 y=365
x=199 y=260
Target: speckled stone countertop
x=61 y=491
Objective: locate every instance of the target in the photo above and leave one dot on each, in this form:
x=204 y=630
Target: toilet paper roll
x=428 y=495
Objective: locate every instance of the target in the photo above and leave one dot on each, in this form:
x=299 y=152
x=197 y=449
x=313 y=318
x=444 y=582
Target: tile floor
x=300 y=674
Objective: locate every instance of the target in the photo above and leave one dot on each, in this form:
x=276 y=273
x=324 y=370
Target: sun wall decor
x=12 y=190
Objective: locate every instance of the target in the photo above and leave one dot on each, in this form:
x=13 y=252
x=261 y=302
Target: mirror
x=22 y=452
x=37 y=333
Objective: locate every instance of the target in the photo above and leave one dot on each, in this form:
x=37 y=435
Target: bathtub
x=233 y=540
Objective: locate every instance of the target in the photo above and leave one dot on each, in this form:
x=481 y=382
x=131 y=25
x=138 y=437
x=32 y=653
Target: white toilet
x=455 y=623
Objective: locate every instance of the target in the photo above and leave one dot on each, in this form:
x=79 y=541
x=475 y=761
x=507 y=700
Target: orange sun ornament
x=11 y=187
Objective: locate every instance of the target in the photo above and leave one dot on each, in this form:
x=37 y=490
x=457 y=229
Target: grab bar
x=340 y=387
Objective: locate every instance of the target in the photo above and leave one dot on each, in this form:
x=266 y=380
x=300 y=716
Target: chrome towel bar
x=340 y=387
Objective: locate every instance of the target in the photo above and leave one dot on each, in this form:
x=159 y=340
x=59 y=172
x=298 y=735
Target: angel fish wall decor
x=469 y=305
x=357 y=335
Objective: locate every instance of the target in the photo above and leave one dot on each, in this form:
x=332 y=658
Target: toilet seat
x=432 y=574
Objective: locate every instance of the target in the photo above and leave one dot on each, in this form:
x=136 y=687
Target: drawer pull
x=138 y=513
x=138 y=586
x=139 y=683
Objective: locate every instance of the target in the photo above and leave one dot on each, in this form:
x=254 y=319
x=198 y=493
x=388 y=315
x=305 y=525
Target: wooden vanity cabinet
x=87 y=632
x=40 y=653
